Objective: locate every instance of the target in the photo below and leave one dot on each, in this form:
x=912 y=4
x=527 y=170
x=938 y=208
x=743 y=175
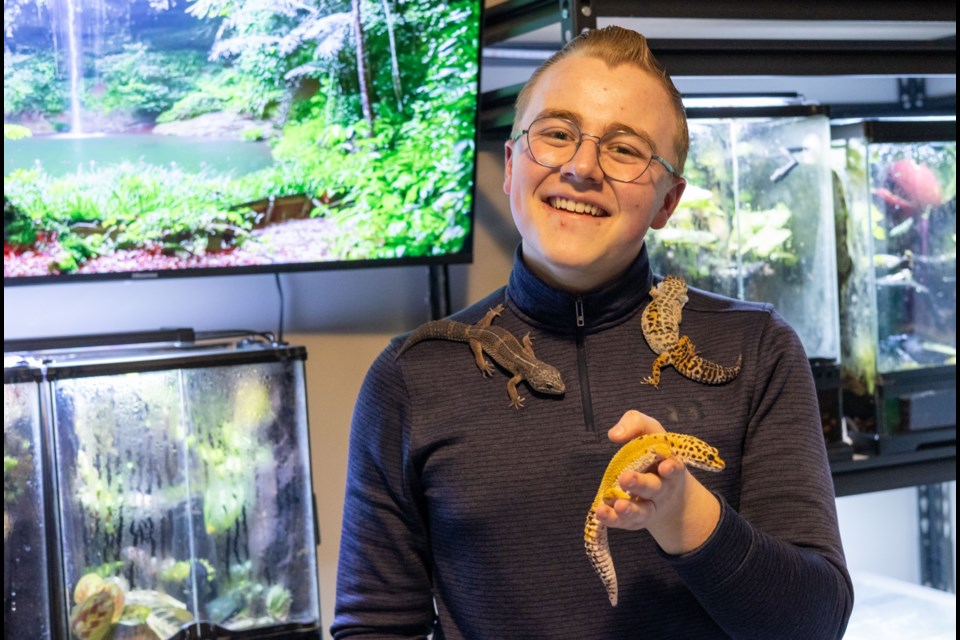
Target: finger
x=626 y=514
x=606 y=514
x=632 y=512
x=669 y=467
x=644 y=486
x=634 y=424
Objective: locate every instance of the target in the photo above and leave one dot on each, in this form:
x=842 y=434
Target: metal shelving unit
x=909 y=59
x=895 y=471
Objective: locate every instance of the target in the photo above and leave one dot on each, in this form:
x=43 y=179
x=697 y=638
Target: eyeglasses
x=623 y=156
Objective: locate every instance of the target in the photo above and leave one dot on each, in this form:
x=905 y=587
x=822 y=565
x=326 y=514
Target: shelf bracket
x=936 y=550
x=576 y=16
x=913 y=93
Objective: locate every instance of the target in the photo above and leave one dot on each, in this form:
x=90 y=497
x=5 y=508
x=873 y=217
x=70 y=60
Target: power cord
x=276 y=277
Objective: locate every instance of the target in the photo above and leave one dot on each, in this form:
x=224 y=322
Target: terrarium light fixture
x=904 y=118
x=726 y=100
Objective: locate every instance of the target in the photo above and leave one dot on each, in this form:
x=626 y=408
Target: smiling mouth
x=577 y=207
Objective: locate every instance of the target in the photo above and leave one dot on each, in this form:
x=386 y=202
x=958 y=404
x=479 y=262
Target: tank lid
x=768 y=112
x=897 y=130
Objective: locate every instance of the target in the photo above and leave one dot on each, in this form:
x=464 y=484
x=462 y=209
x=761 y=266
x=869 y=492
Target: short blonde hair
x=615 y=46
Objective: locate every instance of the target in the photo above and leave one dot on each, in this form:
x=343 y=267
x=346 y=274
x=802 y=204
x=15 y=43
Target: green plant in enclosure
x=15 y=476
x=245 y=598
x=230 y=451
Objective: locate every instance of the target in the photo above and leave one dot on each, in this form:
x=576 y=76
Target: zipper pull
x=578 y=305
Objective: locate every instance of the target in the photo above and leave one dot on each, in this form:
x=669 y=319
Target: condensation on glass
x=183 y=493
x=756 y=219
x=26 y=604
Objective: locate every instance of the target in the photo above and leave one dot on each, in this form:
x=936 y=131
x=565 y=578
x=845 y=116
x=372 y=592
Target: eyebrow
x=613 y=126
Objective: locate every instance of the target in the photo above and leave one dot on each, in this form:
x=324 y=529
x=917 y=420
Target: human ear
x=670 y=201
x=508 y=165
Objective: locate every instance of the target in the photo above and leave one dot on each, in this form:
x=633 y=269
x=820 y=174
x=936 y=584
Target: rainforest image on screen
x=207 y=136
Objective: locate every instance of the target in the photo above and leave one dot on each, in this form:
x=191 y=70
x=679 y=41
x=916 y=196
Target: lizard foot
x=487 y=320
x=653 y=381
x=517 y=402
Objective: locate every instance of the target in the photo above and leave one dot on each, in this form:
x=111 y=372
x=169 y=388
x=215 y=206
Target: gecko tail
x=435 y=330
x=691 y=365
x=598 y=550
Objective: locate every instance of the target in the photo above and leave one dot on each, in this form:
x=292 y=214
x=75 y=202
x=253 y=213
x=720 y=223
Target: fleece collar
x=556 y=310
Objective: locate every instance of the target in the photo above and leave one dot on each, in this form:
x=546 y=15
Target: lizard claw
x=517 y=403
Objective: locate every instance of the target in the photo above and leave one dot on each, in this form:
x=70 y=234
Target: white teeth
x=575 y=207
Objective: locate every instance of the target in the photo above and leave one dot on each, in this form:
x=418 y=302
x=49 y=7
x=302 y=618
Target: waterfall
x=73 y=45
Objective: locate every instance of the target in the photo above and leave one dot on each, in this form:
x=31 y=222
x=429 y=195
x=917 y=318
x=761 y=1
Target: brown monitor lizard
x=501 y=346
x=660 y=321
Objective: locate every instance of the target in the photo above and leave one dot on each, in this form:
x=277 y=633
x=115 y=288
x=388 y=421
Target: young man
x=465 y=509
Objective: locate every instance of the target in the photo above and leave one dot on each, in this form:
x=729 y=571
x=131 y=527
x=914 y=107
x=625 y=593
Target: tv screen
x=147 y=138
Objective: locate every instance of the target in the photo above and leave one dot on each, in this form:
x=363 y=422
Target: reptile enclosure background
x=756 y=223
x=176 y=483
x=897 y=241
x=756 y=219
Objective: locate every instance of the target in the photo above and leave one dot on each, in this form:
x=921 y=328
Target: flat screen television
x=153 y=138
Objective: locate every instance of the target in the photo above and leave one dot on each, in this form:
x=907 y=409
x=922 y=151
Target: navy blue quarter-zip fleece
x=464 y=517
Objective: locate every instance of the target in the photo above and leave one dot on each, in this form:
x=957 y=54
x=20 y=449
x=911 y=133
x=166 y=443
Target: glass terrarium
x=26 y=587
x=897 y=216
x=183 y=492
x=756 y=223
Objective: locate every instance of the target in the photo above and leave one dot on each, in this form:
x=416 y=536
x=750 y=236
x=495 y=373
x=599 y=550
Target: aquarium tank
x=756 y=223
x=148 y=138
x=26 y=575
x=897 y=215
x=183 y=491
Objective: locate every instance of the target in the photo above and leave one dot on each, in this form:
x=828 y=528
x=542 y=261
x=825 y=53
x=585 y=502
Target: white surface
x=881 y=533
x=888 y=609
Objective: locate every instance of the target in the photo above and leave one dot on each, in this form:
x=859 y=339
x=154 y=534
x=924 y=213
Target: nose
x=585 y=163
